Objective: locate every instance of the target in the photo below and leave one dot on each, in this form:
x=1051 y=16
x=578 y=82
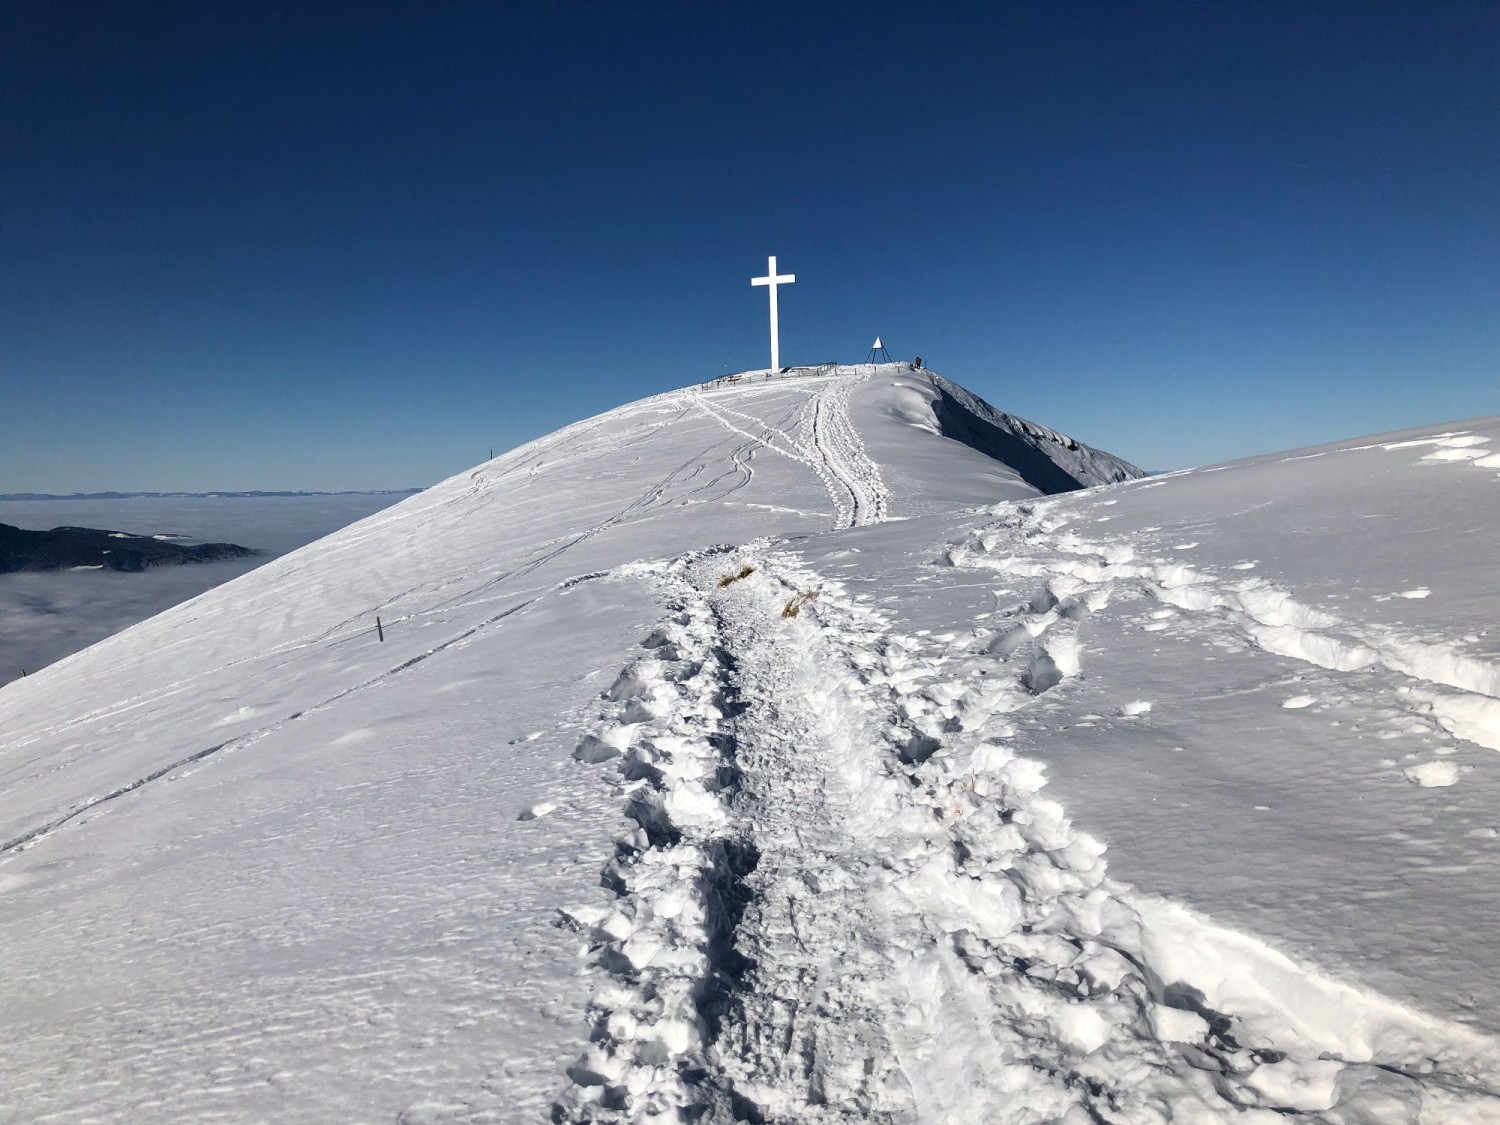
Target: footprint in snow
x=538 y=810
x=1297 y=702
x=1159 y=620
x=1433 y=775
x=1183 y=546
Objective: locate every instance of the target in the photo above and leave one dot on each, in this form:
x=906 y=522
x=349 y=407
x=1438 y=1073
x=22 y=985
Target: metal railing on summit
x=828 y=367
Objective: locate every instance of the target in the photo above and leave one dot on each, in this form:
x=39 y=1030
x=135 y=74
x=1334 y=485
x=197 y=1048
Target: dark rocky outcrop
x=1048 y=461
x=65 y=547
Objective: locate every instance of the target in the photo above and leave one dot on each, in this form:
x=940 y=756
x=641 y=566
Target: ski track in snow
x=843 y=897
x=827 y=443
x=243 y=741
x=841 y=451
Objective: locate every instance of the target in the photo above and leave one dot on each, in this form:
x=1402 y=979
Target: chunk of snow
x=1432 y=775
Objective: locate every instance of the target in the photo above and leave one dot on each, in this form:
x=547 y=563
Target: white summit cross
x=771 y=281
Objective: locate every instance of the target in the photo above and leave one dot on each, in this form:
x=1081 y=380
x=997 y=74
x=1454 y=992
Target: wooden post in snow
x=380 y=632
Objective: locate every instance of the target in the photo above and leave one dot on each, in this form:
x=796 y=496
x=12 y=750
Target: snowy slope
x=44 y=617
x=688 y=779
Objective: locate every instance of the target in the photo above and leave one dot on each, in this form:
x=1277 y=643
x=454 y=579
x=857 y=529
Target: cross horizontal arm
x=778 y=279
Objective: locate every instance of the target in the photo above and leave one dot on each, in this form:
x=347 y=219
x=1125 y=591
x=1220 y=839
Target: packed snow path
x=845 y=898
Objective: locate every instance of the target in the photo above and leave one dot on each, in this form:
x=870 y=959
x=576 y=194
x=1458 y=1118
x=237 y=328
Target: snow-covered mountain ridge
x=721 y=761
x=663 y=475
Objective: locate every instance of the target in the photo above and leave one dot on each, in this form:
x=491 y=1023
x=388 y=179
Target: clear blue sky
x=349 y=245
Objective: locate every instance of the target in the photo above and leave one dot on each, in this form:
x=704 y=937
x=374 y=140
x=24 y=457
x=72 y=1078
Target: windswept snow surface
x=46 y=616
x=723 y=761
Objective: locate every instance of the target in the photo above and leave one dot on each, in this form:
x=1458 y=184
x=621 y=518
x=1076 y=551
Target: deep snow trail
x=844 y=897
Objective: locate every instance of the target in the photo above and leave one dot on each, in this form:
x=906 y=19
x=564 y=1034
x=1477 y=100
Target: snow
x=46 y=616
x=772 y=751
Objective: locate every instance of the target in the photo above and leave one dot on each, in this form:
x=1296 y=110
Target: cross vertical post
x=770 y=281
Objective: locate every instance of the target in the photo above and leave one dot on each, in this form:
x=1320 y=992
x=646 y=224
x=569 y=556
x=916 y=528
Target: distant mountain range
x=65 y=548
x=197 y=495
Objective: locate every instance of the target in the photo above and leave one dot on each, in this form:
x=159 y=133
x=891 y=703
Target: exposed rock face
x=1047 y=460
x=65 y=547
